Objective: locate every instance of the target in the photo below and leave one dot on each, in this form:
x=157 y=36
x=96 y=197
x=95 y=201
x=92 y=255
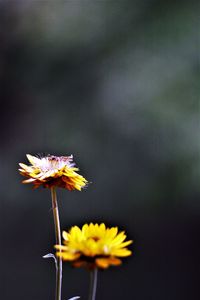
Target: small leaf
x=50 y=255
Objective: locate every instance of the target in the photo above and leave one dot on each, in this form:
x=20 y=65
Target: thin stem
x=58 y=242
x=93 y=284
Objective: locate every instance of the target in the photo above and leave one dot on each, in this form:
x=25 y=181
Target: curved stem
x=58 y=242
x=93 y=284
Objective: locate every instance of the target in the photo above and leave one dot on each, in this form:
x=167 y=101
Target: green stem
x=93 y=284
x=58 y=242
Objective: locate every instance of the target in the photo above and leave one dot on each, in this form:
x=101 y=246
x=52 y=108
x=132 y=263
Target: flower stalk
x=58 y=241
x=93 y=284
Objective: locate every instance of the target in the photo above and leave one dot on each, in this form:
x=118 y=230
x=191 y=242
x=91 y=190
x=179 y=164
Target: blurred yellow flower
x=93 y=246
x=52 y=171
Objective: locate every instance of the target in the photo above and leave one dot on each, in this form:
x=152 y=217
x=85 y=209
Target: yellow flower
x=93 y=246
x=51 y=171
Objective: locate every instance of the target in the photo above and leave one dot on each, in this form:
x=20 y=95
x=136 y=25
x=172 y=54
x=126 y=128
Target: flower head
x=93 y=246
x=51 y=171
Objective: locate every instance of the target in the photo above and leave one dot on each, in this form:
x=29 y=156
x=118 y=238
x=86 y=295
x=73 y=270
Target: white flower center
x=50 y=163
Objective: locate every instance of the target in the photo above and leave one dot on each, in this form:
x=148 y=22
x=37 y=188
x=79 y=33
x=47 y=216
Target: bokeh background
x=115 y=83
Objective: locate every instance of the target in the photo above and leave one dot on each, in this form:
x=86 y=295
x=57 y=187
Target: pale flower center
x=51 y=163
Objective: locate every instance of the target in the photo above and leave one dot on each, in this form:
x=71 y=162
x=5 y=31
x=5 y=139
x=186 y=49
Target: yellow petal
x=61 y=247
x=33 y=160
x=106 y=262
x=121 y=252
x=65 y=236
x=68 y=256
x=122 y=245
x=28 y=180
x=119 y=238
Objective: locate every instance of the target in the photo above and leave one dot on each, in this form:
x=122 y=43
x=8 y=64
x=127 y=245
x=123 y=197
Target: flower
x=93 y=246
x=51 y=171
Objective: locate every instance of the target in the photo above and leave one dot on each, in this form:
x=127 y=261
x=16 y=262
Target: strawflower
x=93 y=246
x=52 y=171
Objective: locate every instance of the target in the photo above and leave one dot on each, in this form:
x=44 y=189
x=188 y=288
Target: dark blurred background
x=115 y=83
